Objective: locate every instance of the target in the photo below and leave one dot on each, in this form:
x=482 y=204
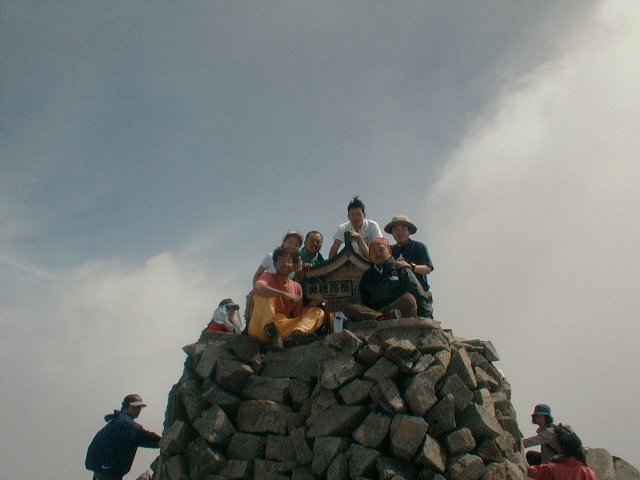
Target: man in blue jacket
x=387 y=291
x=114 y=447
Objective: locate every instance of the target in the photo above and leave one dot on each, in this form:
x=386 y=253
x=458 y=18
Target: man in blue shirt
x=112 y=450
x=410 y=253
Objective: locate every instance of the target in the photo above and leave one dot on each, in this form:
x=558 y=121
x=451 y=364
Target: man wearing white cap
x=112 y=450
x=410 y=253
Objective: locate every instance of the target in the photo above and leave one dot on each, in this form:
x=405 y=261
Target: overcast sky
x=152 y=153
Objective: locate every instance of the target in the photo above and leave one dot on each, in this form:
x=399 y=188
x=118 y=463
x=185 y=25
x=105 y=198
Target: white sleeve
x=266 y=261
x=339 y=235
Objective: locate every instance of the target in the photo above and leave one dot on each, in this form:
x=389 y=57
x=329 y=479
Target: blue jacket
x=114 y=447
x=377 y=290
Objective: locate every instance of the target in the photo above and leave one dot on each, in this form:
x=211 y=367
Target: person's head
x=379 y=251
x=292 y=241
x=569 y=443
x=282 y=261
x=313 y=242
x=541 y=415
x=355 y=212
x=132 y=405
x=230 y=306
x=400 y=227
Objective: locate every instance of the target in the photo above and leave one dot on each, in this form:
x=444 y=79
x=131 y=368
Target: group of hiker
x=395 y=285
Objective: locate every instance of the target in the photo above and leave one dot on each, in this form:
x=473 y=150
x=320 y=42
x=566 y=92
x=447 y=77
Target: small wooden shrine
x=336 y=281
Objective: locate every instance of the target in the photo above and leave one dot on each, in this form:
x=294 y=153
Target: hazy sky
x=152 y=153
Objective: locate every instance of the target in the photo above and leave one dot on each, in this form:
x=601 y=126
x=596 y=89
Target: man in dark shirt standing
x=410 y=253
x=112 y=450
x=386 y=291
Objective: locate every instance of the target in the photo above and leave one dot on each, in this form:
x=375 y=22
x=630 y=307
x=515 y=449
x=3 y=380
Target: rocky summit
x=399 y=399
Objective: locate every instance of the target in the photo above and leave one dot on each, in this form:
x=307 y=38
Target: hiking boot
x=275 y=340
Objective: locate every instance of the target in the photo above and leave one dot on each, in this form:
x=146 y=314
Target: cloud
x=537 y=232
x=100 y=331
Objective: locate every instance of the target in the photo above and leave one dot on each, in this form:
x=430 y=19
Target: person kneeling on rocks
x=278 y=312
x=387 y=291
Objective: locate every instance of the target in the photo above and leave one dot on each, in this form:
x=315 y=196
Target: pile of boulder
x=400 y=399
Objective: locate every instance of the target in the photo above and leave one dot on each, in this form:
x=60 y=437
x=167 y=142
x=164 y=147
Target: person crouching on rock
x=278 y=311
x=569 y=464
x=545 y=436
x=226 y=318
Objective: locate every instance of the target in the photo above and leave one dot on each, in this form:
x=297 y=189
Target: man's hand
x=292 y=297
x=402 y=264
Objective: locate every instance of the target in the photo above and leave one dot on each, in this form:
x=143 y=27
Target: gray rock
x=381 y=370
x=460 y=441
x=442 y=417
x=443 y=357
x=177 y=468
x=466 y=467
x=600 y=461
x=460 y=365
x=203 y=459
x=236 y=470
x=462 y=396
x=280 y=448
x=356 y=392
x=214 y=426
x=362 y=461
x=245 y=446
x=478 y=360
x=301 y=362
x=420 y=390
x=325 y=450
x=338 y=371
x=495 y=471
x=387 y=396
x=414 y=330
x=402 y=352
x=422 y=364
x=299 y=391
x=192 y=399
x=407 y=434
x=229 y=402
x=485 y=380
x=339 y=468
x=373 y=430
x=262 y=416
x=487 y=349
x=303 y=473
x=209 y=358
x=480 y=420
x=432 y=454
x=268 y=468
x=344 y=341
x=245 y=347
x=232 y=374
x=266 y=388
x=320 y=401
x=392 y=468
x=369 y=355
x=176 y=438
x=624 y=470
x=338 y=420
x=303 y=454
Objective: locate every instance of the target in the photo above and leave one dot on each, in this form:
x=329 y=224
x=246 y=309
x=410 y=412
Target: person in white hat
x=410 y=253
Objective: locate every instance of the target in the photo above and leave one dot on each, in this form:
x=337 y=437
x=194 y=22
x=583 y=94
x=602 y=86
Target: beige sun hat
x=400 y=220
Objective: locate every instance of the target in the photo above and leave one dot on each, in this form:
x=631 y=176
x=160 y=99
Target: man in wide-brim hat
x=410 y=253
